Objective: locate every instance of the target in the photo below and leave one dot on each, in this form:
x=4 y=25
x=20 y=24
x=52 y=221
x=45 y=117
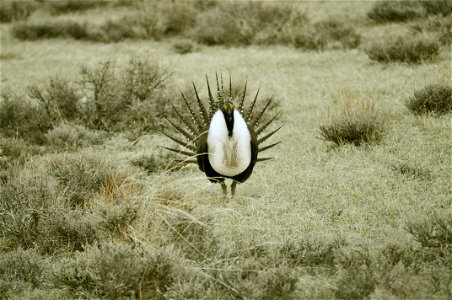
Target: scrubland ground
x=92 y=207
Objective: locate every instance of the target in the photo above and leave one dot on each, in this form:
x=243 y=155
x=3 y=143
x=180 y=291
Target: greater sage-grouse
x=226 y=140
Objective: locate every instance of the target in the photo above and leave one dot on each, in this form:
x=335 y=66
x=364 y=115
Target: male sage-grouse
x=225 y=141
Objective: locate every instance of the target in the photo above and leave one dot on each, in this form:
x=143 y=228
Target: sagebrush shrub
x=409 y=48
x=80 y=176
x=70 y=137
x=353 y=121
x=396 y=11
x=59 y=99
x=437 y=7
x=16 y=10
x=46 y=30
x=435 y=98
x=436 y=27
x=433 y=230
x=24 y=119
x=118 y=271
x=183 y=46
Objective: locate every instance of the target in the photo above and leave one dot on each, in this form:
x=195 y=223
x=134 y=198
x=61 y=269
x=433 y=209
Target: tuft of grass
x=409 y=49
x=433 y=231
x=353 y=121
x=435 y=98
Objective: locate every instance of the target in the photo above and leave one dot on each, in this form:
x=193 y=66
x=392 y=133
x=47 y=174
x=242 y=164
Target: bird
x=225 y=140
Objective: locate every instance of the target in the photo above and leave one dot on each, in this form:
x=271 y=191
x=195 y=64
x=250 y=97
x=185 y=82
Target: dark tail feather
x=178 y=151
x=188 y=135
x=250 y=110
x=268 y=147
x=182 y=143
x=185 y=121
x=202 y=109
x=243 y=97
x=219 y=87
x=259 y=116
x=212 y=103
x=194 y=115
x=263 y=158
x=264 y=138
x=265 y=125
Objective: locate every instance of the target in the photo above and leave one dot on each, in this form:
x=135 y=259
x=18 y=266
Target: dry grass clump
x=353 y=121
x=70 y=137
x=435 y=98
x=435 y=26
x=409 y=49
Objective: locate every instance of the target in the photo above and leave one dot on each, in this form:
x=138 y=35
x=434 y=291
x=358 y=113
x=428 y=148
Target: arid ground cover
x=356 y=203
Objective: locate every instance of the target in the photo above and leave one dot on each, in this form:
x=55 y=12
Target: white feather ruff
x=229 y=156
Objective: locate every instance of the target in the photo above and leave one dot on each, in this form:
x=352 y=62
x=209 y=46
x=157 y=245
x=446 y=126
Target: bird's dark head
x=228 y=111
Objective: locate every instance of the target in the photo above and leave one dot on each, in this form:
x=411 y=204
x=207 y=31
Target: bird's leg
x=233 y=186
x=224 y=188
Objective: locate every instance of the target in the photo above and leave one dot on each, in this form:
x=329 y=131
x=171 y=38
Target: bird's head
x=228 y=110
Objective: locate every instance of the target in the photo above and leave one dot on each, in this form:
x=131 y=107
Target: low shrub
x=16 y=10
x=396 y=11
x=353 y=121
x=22 y=118
x=46 y=30
x=80 y=176
x=20 y=270
x=183 y=46
x=433 y=231
x=437 y=7
x=59 y=98
x=117 y=271
x=435 y=98
x=435 y=26
x=247 y=23
x=409 y=49
x=70 y=137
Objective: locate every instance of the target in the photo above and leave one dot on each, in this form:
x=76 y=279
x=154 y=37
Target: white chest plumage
x=229 y=155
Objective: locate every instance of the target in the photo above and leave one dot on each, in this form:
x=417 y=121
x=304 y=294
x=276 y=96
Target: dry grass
x=101 y=218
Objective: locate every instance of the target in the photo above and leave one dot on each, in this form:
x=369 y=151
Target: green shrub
x=396 y=11
x=353 y=121
x=117 y=271
x=23 y=119
x=435 y=98
x=410 y=49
